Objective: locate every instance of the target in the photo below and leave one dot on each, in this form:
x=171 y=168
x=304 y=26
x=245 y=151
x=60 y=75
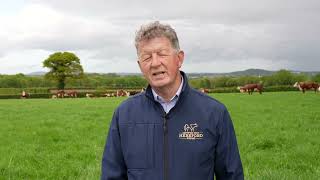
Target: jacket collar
x=184 y=90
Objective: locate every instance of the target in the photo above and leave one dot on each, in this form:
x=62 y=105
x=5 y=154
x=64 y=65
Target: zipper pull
x=165 y=123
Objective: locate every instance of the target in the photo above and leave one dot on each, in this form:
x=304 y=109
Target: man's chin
x=158 y=84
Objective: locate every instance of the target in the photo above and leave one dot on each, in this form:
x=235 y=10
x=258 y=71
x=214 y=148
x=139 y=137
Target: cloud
x=226 y=34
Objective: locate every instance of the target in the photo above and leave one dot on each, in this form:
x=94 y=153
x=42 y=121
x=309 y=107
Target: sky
x=216 y=36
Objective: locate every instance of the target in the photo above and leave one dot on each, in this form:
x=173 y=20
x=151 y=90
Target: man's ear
x=180 y=58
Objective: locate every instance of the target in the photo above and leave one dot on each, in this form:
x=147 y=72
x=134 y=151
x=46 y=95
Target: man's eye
x=146 y=58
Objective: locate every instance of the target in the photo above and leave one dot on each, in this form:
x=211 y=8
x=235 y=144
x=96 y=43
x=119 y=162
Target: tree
x=63 y=65
x=316 y=78
x=205 y=83
x=283 y=77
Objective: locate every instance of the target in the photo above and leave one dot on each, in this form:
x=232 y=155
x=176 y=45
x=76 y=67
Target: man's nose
x=155 y=61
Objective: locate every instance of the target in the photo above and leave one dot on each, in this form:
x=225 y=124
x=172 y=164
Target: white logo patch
x=190 y=133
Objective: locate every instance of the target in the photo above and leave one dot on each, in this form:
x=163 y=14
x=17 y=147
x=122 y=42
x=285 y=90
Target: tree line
x=86 y=81
x=280 y=78
x=65 y=71
x=114 y=81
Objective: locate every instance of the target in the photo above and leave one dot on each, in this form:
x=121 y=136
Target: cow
x=251 y=87
x=303 y=86
x=67 y=93
x=204 y=90
x=241 y=89
x=122 y=92
x=60 y=94
x=131 y=93
x=88 y=95
x=73 y=94
x=108 y=94
x=190 y=128
x=24 y=95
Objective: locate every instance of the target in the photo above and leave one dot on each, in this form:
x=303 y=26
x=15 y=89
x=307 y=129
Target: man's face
x=159 y=62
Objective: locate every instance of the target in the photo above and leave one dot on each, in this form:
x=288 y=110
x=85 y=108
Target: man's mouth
x=158 y=73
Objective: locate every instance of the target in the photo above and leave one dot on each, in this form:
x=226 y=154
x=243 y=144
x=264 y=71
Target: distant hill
x=252 y=72
x=248 y=72
x=37 y=73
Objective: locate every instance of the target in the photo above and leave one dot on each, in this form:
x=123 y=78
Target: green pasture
x=278 y=135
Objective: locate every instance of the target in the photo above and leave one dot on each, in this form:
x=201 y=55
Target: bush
x=18 y=91
x=224 y=90
x=46 y=95
x=14 y=96
x=279 y=88
x=9 y=96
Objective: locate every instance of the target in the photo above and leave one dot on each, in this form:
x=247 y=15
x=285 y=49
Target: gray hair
x=154 y=30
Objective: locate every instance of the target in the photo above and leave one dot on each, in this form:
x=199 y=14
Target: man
x=170 y=131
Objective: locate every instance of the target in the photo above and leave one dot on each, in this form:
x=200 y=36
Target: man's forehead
x=158 y=43
x=150 y=50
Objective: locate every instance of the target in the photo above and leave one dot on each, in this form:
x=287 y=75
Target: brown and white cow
x=122 y=92
x=60 y=94
x=67 y=93
x=73 y=94
x=88 y=95
x=242 y=89
x=24 y=95
x=109 y=95
x=204 y=90
x=132 y=93
x=250 y=88
x=303 y=86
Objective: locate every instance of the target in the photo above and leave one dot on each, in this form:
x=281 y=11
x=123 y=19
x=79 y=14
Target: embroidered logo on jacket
x=190 y=133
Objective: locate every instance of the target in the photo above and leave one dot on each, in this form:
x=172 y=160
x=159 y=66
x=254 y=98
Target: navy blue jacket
x=194 y=141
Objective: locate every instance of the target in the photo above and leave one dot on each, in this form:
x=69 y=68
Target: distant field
x=278 y=135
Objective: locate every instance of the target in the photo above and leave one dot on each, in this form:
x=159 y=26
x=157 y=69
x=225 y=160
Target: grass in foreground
x=278 y=135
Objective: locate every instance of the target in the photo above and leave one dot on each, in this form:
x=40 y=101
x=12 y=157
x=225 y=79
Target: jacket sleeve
x=228 y=165
x=113 y=165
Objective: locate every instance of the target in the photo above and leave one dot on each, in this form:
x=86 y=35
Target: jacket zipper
x=165 y=148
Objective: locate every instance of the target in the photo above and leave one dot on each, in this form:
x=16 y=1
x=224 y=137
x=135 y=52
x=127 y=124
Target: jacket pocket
x=138 y=145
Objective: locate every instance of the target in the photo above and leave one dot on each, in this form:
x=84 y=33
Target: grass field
x=278 y=135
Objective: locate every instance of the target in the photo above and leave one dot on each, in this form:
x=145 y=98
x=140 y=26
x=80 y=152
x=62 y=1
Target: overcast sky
x=217 y=36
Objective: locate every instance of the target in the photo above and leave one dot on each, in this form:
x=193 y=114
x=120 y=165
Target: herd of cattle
x=302 y=86
x=74 y=94
x=248 y=88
